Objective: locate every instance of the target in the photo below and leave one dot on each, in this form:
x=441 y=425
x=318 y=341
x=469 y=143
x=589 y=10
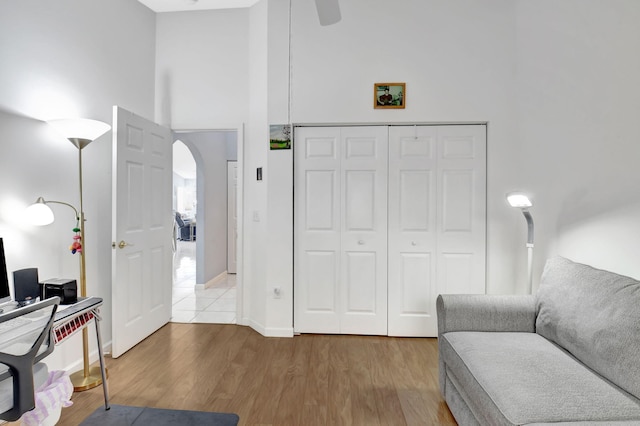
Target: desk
x=73 y=318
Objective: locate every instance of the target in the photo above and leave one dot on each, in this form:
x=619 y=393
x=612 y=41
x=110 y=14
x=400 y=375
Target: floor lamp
x=80 y=132
x=522 y=201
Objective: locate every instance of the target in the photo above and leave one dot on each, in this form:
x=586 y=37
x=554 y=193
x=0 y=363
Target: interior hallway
x=213 y=305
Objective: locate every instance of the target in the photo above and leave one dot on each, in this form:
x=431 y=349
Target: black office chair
x=25 y=339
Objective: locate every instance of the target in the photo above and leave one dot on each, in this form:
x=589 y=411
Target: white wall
x=202 y=69
x=210 y=150
x=255 y=192
x=66 y=59
x=578 y=109
x=279 y=171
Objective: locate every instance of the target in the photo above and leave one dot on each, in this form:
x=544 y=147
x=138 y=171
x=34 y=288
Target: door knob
x=122 y=244
x=413 y=243
x=360 y=242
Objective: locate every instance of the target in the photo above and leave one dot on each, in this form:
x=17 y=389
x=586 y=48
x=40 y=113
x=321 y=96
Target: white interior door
x=232 y=216
x=363 y=277
x=462 y=209
x=412 y=230
x=142 y=229
x=437 y=216
x=317 y=230
x=340 y=227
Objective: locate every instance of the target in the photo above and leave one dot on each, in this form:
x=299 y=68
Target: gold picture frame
x=389 y=95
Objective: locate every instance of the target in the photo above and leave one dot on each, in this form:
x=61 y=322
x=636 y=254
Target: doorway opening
x=204 y=287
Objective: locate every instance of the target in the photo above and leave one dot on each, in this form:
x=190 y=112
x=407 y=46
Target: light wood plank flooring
x=305 y=380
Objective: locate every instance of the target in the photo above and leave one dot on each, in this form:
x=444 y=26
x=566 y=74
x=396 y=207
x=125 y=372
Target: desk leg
x=102 y=366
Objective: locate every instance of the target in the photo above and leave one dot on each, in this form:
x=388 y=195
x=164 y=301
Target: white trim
x=240 y=294
x=220 y=277
x=391 y=123
x=271 y=331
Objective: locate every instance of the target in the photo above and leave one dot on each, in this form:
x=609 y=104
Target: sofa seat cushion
x=522 y=378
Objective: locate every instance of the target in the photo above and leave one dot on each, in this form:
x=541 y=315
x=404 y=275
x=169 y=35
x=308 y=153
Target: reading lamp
x=522 y=201
x=80 y=132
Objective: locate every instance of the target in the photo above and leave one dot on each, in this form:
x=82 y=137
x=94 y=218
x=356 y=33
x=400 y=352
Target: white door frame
x=232 y=217
x=239 y=129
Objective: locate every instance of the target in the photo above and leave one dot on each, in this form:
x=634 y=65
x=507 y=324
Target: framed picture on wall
x=389 y=95
x=280 y=136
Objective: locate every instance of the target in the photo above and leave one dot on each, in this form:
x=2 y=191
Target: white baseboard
x=213 y=281
x=271 y=331
x=93 y=358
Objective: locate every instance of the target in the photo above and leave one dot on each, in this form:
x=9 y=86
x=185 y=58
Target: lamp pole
x=87 y=378
x=529 y=220
x=523 y=202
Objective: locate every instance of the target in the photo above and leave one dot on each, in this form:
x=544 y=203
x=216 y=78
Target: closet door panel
x=415 y=293
x=360 y=271
x=462 y=209
x=360 y=200
x=456 y=272
x=321 y=279
x=319 y=199
x=364 y=230
x=412 y=230
x=457 y=201
x=317 y=230
x=414 y=193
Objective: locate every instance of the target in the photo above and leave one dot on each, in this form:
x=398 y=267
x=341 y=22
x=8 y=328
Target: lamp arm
x=529 y=219
x=65 y=204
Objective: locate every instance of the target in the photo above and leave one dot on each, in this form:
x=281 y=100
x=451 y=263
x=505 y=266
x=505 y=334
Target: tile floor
x=216 y=304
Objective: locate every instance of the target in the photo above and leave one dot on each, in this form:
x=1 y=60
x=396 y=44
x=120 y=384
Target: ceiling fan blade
x=328 y=12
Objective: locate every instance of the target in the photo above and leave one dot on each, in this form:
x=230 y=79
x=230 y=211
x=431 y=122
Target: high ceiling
x=189 y=5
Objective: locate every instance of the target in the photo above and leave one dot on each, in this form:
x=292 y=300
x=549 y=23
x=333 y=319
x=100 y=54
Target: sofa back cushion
x=595 y=315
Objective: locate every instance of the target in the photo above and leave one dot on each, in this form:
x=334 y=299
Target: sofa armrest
x=482 y=312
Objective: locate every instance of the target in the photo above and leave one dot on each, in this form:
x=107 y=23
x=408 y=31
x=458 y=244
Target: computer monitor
x=5 y=293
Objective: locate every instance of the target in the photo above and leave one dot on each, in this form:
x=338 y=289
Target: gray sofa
x=569 y=354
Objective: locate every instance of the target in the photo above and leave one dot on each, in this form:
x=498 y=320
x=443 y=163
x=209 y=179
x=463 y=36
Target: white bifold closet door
x=437 y=221
x=341 y=230
x=386 y=218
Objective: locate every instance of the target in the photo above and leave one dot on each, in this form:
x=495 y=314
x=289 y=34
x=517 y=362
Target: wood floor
x=306 y=380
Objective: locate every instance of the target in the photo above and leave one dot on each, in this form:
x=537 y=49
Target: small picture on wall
x=389 y=95
x=280 y=136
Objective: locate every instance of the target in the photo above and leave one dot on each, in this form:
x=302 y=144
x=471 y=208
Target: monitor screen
x=5 y=293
